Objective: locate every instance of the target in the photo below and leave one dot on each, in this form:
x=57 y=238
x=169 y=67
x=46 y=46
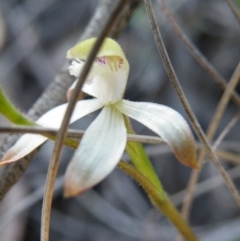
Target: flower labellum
x=109 y=73
x=105 y=139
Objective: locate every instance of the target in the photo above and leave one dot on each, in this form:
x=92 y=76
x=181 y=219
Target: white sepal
x=53 y=119
x=25 y=145
x=99 y=152
x=168 y=124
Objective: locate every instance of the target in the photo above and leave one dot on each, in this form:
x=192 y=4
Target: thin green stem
x=140 y=159
x=160 y=201
x=146 y=176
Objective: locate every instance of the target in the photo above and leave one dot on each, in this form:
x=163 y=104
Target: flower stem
x=146 y=176
x=160 y=200
x=140 y=159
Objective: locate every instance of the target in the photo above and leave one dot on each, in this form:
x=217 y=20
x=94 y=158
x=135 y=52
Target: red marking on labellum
x=102 y=60
x=120 y=64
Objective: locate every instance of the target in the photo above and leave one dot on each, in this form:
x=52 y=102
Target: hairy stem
x=160 y=201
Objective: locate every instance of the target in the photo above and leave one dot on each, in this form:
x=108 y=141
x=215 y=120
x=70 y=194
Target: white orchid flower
x=105 y=139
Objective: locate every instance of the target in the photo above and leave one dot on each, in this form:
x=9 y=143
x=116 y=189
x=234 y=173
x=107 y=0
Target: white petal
x=167 y=123
x=99 y=152
x=26 y=144
x=53 y=118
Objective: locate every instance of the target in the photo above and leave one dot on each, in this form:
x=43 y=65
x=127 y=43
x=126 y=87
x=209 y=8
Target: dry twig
x=234 y=10
x=210 y=134
x=194 y=122
x=200 y=58
x=77 y=134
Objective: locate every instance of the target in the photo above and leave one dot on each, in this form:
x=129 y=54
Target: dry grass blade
x=229 y=156
x=234 y=10
x=190 y=191
x=226 y=130
x=210 y=134
x=54 y=163
x=26 y=203
x=174 y=80
x=77 y=134
x=206 y=185
x=201 y=59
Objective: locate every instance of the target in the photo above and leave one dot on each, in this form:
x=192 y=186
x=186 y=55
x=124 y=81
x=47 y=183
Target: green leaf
x=11 y=113
x=238 y=2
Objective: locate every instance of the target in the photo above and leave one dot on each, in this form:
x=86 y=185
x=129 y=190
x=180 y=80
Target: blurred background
x=34 y=38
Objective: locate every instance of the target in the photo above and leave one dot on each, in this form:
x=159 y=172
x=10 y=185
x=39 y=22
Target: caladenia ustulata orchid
x=105 y=139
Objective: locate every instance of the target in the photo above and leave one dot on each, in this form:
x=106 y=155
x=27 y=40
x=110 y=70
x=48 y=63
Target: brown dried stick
x=177 y=87
x=210 y=134
x=76 y=134
x=234 y=9
x=200 y=58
